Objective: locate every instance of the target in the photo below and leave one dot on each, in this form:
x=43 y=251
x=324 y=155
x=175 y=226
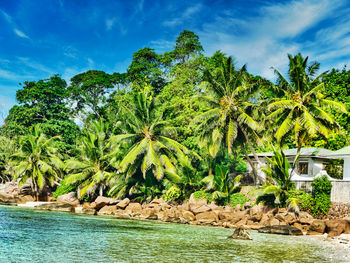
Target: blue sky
x=43 y=37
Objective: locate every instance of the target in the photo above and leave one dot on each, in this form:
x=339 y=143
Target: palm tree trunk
x=250 y=145
x=255 y=175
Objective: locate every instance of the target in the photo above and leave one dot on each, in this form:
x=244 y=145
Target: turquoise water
x=37 y=236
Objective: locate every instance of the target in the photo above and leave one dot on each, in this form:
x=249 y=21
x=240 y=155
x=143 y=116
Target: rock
x=188 y=215
x=335 y=227
x=68 y=199
x=124 y=203
x=107 y=210
x=133 y=208
x=8 y=199
x=305 y=218
x=200 y=209
x=122 y=214
x=274 y=222
x=147 y=213
x=265 y=220
x=240 y=234
x=88 y=205
x=101 y=201
x=78 y=210
x=281 y=230
x=290 y=218
x=157 y=201
x=58 y=207
x=317 y=226
x=89 y=211
x=233 y=217
x=207 y=217
x=280 y=217
x=22 y=199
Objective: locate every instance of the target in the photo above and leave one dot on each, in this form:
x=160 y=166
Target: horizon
x=73 y=37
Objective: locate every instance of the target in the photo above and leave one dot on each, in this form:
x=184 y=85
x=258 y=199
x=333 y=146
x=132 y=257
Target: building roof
x=344 y=152
x=304 y=152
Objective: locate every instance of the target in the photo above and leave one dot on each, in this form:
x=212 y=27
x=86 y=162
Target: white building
x=312 y=161
x=344 y=154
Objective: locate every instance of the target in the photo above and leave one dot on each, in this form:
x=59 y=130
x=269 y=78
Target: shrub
x=321 y=185
x=203 y=195
x=238 y=198
x=322 y=205
x=172 y=194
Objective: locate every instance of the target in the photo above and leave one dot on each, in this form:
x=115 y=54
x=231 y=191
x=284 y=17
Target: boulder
x=240 y=234
x=335 y=227
x=305 y=218
x=101 y=201
x=7 y=199
x=317 y=227
x=123 y=203
x=88 y=205
x=157 y=201
x=68 y=199
x=22 y=199
x=148 y=213
x=55 y=207
x=133 y=208
x=265 y=220
x=274 y=222
x=78 y=210
x=107 y=210
x=207 y=217
x=200 y=209
x=281 y=230
x=188 y=215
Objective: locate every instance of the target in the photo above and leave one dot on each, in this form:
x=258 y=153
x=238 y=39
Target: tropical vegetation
x=175 y=123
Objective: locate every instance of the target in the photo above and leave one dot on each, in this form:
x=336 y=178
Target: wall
x=346 y=174
x=340 y=190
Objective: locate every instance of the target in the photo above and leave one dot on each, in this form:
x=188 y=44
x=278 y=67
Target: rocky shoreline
x=194 y=212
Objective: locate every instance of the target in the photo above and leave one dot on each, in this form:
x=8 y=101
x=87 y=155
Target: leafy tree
x=187 y=44
x=7 y=148
x=89 y=90
x=42 y=102
x=146 y=66
x=37 y=159
x=229 y=118
x=145 y=137
x=92 y=167
x=303 y=110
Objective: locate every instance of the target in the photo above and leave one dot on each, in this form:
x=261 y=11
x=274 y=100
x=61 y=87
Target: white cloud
x=184 y=17
x=20 y=33
x=161 y=45
x=265 y=40
x=109 y=23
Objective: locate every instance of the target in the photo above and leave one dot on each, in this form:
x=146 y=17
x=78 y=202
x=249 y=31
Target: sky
x=45 y=37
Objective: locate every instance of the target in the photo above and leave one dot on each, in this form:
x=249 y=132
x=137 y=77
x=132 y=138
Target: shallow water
x=37 y=236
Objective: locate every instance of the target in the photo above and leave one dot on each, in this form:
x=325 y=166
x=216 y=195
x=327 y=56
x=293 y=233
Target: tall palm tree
x=145 y=136
x=92 y=167
x=37 y=159
x=230 y=117
x=303 y=110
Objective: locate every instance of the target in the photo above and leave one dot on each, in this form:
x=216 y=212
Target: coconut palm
x=230 y=117
x=145 y=136
x=303 y=110
x=37 y=159
x=92 y=167
x=222 y=183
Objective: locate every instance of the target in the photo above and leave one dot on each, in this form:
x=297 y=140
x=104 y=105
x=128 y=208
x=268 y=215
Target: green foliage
x=64 y=188
x=203 y=195
x=187 y=44
x=322 y=204
x=238 y=199
x=172 y=194
x=334 y=168
x=321 y=185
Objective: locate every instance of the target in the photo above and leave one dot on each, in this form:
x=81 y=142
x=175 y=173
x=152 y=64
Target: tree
x=42 y=102
x=222 y=184
x=92 y=167
x=146 y=66
x=37 y=159
x=144 y=135
x=187 y=44
x=7 y=148
x=89 y=89
x=229 y=119
x=303 y=110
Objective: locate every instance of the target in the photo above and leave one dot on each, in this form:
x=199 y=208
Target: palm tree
x=303 y=110
x=37 y=159
x=146 y=138
x=222 y=184
x=92 y=168
x=230 y=117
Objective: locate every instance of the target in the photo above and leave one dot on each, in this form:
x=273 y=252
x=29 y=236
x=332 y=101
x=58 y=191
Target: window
x=303 y=168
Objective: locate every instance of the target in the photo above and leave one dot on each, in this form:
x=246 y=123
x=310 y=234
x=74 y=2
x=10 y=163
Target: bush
x=238 y=199
x=322 y=204
x=64 y=189
x=203 y=195
x=321 y=185
x=172 y=194
x=306 y=201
